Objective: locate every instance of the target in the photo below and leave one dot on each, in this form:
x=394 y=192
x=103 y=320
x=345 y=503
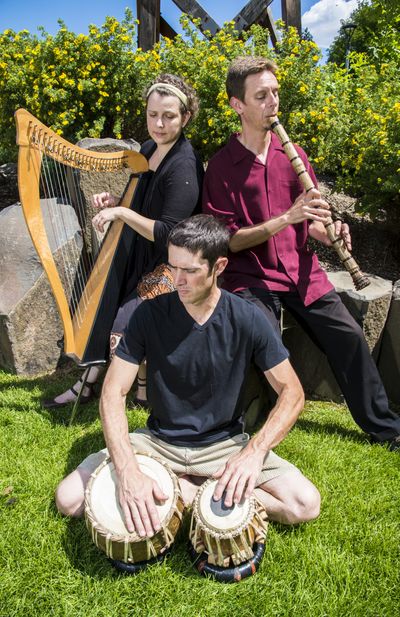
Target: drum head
x=228 y=519
x=104 y=501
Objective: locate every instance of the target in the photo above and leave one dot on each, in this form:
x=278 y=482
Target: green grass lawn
x=344 y=564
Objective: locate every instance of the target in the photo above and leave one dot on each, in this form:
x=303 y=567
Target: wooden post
x=148 y=14
x=291 y=13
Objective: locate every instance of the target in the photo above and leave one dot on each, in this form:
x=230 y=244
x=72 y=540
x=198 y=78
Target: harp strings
x=69 y=218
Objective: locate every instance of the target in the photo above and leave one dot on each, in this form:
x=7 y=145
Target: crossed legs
x=289 y=499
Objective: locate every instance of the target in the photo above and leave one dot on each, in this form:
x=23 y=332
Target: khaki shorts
x=200 y=461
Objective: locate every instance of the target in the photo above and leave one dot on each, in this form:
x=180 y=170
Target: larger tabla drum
x=104 y=518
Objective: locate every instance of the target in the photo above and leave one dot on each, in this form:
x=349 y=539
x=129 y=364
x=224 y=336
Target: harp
x=86 y=272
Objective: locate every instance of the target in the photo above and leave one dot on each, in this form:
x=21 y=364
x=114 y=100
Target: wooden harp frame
x=36 y=140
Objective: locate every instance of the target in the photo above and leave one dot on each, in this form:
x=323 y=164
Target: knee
x=68 y=502
x=304 y=507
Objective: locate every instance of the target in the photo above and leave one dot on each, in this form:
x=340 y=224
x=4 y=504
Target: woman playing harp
x=167 y=193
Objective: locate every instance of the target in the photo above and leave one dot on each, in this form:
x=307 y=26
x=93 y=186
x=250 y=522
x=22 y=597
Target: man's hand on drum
x=137 y=496
x=238 y=477
x=104 y=200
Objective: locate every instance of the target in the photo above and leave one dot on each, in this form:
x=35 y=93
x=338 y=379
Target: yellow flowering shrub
x=93 y=85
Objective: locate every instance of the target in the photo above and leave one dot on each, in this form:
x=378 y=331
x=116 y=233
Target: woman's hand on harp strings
x=105 y=216
x=104 y=200
x=309 y=206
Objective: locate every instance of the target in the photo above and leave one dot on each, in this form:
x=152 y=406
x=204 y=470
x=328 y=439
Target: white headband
x=173 y=89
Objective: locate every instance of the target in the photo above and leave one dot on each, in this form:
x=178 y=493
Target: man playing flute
x=251 y=186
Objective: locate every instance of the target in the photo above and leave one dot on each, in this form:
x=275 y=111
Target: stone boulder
x=30 y=326
x=369 y=307
x=389 y=357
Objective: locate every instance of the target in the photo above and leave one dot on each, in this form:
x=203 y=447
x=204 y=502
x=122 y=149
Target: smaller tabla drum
x=227 y=536
x=105 y=522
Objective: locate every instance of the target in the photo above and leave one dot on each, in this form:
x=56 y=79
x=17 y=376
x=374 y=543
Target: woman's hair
x=242 y=67
x=192 y=103
x=203 y=233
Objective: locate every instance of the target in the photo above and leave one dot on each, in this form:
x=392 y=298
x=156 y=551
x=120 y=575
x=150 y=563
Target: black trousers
x=337 y=334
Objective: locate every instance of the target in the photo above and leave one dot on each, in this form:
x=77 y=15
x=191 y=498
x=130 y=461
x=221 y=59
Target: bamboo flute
x=360 y=280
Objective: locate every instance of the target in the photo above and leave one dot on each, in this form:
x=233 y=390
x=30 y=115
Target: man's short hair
x=202 y=232
x=242 y=67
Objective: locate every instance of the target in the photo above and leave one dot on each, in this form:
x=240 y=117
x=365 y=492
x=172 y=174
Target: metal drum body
x=226 y=537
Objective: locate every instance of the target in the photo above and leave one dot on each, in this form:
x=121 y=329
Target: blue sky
x=322 y=17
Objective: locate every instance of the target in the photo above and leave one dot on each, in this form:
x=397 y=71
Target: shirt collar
x=238 y=151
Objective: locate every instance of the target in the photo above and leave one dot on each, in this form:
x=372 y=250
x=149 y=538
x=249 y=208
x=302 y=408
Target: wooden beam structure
x=148 y=14
x=193 y=10
x=270 y=24
x=166 y=30
x=291 y=13
x=151 y=24
x=254 y=12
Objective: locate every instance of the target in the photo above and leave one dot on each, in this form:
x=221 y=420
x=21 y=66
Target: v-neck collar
x=195 y=324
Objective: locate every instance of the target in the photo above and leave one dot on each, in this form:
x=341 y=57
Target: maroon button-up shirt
x=240 y=190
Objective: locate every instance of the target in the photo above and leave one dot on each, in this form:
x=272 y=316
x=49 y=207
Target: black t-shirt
x=196 y=373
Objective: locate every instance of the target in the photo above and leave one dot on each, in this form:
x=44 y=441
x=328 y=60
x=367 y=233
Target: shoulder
x=147 y=147
x=220 y=157
x=164 y=303
x=183 y=163
x=222 y=164
x=182 y=149
x=240 y=308
x=298 y=149
x=153 y=311
x=181 y=153
x=247 y=313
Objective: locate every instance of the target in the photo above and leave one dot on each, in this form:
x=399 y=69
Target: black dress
x=168 y=195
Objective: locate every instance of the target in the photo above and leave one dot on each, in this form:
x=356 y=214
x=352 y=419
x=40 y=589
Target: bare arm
x=307 y=206
x=136 y=491
x=239 y=476
x=141 y=224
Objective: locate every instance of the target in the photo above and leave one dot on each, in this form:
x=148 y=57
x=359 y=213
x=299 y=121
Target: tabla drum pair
x=225 y=543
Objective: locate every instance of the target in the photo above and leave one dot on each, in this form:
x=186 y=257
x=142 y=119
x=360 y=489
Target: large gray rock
x=389 y=358
x=30 y=325
x=369 y=307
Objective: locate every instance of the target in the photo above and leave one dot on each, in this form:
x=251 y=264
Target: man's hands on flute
x=309 y=206
x=342 y=230
x=313 y=207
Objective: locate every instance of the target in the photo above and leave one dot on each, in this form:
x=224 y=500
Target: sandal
x=51 y=403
